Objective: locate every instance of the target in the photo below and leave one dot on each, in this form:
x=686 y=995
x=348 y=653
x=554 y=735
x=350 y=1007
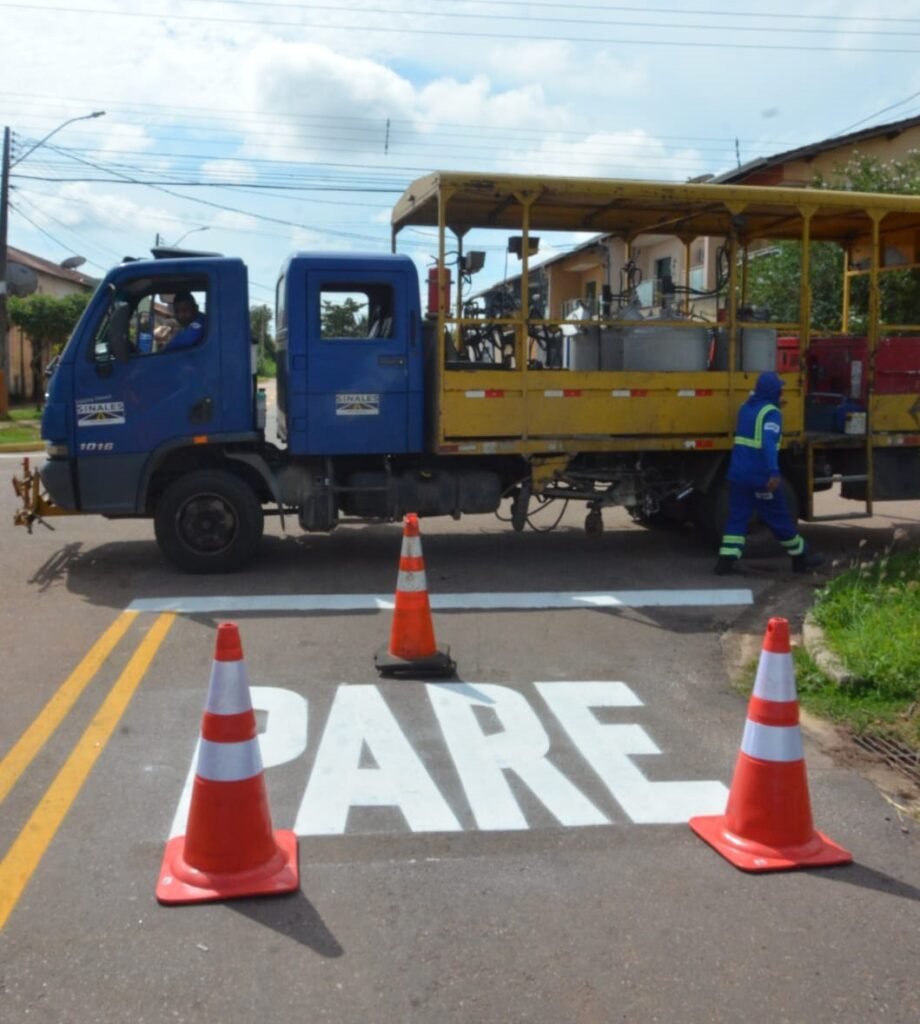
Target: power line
x=238 y=116
x=884 y=110
x=543 y=20
x=454 y=33
x=41 y=230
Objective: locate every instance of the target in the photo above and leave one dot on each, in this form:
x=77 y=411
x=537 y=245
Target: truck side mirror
x=117 y=332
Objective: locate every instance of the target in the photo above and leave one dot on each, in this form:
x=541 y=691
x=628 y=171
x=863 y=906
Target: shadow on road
x=868 y=878
x=296 y=918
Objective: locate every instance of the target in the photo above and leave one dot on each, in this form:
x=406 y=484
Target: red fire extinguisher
x=433 y=291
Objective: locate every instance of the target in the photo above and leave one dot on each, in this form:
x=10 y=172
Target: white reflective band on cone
x=775 y=677
x=228 y=691
x=772 y=742
x=409 y=582
x=229 y=762
x=412 y=547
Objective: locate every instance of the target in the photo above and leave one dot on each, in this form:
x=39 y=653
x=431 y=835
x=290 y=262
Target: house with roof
x=35 y=275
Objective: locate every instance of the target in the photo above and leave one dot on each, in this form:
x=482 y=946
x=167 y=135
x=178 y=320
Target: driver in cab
x=189 y=328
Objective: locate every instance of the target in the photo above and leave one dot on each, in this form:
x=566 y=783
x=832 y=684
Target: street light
x=4 y=220
x=191 y=231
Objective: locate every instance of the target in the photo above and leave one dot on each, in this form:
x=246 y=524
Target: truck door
x=363 y=387
x=135 y=392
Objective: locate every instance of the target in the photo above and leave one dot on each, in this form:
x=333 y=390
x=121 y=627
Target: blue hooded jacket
x=758 y=432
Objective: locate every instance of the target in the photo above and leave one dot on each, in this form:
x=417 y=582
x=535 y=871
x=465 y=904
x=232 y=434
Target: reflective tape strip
x=563 y=393
x=796 y=546
x=695 y=393
x=698 y=444
x=773 y=712
x=229 y=762
x=630 y=393
x=490 y=393
x=228 y=728
x=775 y=678
x=228 y=691
x=407 y=564
x=409 y=582
x=412 y=547
x=757 y=440
x=772 y=742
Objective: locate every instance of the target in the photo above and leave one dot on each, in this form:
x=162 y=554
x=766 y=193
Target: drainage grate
x=892 y=752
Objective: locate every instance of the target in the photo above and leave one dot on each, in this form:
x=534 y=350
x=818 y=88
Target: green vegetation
x=48 y=322
x=775 y=273
x=871 y=619
x=25 y=412
x=259 y=319
x=12 y=434
x=22 y=425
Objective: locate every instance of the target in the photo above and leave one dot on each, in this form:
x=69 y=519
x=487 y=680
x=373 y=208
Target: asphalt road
x=511 y=846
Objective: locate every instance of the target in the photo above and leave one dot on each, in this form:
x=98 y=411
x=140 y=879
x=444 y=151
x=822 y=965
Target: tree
x=774 y=276
x=48 y=322
x=344 y=319
x=259 y=319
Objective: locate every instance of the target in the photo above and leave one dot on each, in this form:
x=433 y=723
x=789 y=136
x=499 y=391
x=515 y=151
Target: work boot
x=806 y=562
x=725 y=565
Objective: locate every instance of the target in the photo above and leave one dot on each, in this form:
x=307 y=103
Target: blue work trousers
x=772 y=509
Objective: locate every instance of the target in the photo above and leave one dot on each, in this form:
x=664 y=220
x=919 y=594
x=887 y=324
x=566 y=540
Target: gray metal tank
x=756 y=349
x=666 y=349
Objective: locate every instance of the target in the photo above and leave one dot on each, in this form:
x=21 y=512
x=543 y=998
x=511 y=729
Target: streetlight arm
x=41 y=142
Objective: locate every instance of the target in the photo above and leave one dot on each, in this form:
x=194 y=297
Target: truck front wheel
x=208 y=522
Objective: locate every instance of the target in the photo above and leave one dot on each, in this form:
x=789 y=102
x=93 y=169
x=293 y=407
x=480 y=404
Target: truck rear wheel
x=208 y=522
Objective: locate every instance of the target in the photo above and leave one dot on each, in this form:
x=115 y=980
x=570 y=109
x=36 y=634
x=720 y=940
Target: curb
x=24 y=447
x=815 y=643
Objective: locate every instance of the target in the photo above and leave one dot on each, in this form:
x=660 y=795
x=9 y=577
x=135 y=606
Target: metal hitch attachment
x=35 y=505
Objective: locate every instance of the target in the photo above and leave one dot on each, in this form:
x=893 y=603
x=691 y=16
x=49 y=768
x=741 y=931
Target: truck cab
x=349 y=351
x=128 y=397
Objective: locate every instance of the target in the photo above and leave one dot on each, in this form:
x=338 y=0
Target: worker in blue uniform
x=754 y=480
x=192 y=323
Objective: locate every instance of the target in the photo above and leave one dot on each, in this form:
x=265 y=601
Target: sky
x=257 y=129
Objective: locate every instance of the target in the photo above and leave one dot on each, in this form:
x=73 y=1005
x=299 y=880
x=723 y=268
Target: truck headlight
x=56 y=451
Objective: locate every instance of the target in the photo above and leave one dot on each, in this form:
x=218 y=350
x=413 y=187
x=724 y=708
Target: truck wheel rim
x=207 y=524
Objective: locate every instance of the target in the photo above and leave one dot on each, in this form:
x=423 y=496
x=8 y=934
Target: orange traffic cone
x=412 y=649
x=229 y=849
x=767 y=824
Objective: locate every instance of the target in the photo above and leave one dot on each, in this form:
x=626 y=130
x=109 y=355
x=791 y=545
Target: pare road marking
x=361 y=722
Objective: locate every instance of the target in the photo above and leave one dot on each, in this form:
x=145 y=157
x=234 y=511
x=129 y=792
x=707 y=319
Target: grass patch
x=871 y=619
x=28 y=412
x=14 y=434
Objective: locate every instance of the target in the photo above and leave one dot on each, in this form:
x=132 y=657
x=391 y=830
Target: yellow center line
x=24 y=856
x=29 y=745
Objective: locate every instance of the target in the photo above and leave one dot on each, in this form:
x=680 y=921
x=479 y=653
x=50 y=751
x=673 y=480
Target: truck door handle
x=391 y=360
x=202 y=411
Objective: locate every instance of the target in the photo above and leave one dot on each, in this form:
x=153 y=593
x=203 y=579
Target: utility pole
x=4 y=323
x=4 y=231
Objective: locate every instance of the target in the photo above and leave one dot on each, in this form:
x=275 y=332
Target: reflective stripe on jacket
x=758 y=432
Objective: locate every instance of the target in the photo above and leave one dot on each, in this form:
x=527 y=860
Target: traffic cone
x=767 y=824
x=229 y=849
x=412 y=649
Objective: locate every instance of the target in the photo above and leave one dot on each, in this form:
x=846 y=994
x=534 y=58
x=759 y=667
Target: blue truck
x=177 y=435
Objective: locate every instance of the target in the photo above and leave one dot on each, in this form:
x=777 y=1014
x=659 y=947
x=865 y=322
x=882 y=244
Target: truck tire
x=208 y=522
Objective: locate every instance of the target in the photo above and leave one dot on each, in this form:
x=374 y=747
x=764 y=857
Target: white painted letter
x=360 y=717
x=608 y=749
x=284 y=739
x=521 y=747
